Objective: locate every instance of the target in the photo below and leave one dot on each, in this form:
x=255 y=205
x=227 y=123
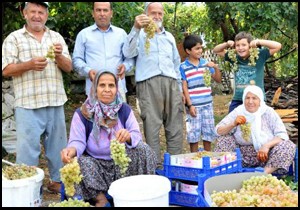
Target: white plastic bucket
x=25 y=192
x=141 y=190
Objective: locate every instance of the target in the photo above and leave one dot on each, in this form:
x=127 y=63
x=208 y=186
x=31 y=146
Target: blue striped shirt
x=193 y=75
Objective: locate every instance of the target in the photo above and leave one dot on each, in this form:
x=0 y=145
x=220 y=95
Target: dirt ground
x=220 y=109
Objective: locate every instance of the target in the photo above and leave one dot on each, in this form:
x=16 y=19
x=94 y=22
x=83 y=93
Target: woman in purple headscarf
x=109 y=118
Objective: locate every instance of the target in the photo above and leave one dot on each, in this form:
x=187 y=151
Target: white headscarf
x=258 y=137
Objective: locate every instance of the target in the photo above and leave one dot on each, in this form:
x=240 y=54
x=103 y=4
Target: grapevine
x=258 y=191
x=70 y=174
x=70 y=203
x=150 y=32
x=207 y=78
x=118 y=154
x=246 y=131
x=50 y=53
x=18 y=171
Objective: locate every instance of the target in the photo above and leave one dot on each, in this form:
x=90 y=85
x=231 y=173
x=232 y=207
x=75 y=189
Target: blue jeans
x=234 y=104
x=31 y=124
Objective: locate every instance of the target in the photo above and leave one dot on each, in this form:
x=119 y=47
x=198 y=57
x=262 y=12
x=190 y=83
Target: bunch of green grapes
x=150 y=30
x=119 y=155
x=254 y=54
x=207 y=78
x=246 y=131
x=258 y=191
x=232 y=56
x=18 y=171
x=50 y=52
x=71 y=203
x=70 y=174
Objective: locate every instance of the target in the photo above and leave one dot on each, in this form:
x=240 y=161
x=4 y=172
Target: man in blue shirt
x=159 y=87
x=99 y=47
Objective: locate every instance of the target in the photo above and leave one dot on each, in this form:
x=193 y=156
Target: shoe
x=54 y=187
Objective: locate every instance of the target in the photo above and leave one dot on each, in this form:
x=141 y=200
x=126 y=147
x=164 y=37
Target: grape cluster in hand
x=232 y=56
x=70 y=174
x=119 y=155
x=150 y=30
x=246 y=131
x=254 y=54
x=207 y=78
x=50 y=53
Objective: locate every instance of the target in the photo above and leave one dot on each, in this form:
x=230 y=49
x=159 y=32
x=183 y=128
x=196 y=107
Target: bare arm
x=223 y=130
x=35 y=64
x=272 y=45
x=188 y=101
x=221 y=48
x=186 y=93
x=62 y=62
x=217 y=76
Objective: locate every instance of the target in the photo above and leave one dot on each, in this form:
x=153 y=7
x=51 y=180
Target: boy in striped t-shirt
x=196 y=74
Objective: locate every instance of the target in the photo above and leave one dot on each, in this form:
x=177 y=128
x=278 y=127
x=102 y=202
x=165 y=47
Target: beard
x=158 y=24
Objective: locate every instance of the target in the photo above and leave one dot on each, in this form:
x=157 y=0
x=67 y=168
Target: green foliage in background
x=217 y=21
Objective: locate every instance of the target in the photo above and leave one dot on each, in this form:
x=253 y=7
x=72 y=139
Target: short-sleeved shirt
x=35 y=89
x=245 y=73
x=199 y=93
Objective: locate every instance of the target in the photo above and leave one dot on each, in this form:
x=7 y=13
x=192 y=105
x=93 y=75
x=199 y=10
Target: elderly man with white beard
x=159 y=87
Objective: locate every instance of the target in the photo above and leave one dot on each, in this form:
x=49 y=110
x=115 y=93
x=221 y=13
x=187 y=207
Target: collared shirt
x=35 y=89
x=163 y=58
x=199 y=93
x=100 y=50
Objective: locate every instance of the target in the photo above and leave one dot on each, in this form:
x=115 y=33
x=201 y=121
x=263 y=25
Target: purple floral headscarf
x=103 y=116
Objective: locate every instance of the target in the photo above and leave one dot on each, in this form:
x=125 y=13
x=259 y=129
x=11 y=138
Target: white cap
x=46 y=4
x=147 y=5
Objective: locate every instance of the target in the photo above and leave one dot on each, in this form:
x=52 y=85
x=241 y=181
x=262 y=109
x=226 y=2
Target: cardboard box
x=188 y=160
x=226 y=182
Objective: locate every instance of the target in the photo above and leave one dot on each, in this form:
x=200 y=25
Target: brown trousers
x=160 y=102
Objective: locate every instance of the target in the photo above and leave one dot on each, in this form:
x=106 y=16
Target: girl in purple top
x=97 y=167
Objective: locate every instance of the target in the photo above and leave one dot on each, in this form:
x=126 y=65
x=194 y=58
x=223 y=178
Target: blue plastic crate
x=187 y=199
x=201 y=174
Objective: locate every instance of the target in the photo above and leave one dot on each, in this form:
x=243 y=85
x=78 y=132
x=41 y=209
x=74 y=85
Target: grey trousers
x=160 y=102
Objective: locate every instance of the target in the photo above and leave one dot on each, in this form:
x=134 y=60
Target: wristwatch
x=189 y=106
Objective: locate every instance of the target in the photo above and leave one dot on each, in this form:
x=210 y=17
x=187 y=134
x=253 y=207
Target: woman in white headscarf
x=267 y=145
